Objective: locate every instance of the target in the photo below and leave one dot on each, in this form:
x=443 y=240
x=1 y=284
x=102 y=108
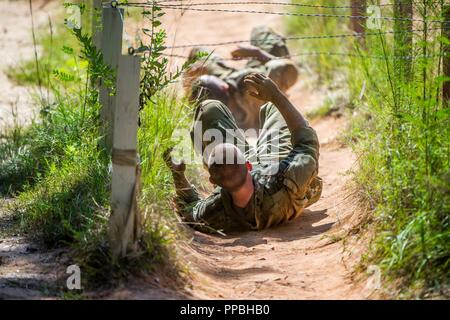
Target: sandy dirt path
x=16 y=44
x=26 y=272
x=304 y=259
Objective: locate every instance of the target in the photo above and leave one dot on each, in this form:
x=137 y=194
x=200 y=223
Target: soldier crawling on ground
x=214 y=79
x=258 y=188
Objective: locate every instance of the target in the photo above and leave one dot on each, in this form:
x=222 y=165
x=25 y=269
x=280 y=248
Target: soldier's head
x=283 y=72
x=198 y=68
x=227 y=167
x=209 y=87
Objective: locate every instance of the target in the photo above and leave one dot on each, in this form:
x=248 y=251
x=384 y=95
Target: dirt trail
x=304 y=259
x=25 y=271
x=16 y=44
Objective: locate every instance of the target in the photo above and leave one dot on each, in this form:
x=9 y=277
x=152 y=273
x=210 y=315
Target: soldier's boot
x=314 y=191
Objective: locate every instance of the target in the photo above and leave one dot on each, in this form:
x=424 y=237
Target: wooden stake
x=111 y=44
x=358 y=25
x=124 y=224
x=446 y=58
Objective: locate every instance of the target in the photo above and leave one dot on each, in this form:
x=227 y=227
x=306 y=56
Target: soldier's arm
x=303 y=138
x=205 y=214
x=263 y=88
x=184 y=190
x=249 y=51
x=302 y=161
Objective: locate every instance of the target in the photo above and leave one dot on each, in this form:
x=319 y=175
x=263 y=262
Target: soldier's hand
x=173 y=165
x=245 y=51
x=261 y=87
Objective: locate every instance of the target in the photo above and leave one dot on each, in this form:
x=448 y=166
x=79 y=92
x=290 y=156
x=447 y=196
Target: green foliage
x=159 y=119
x=400 y=133
x=53 y=41
x=155 y=75
x=325 y=66
x=324 y=110
x=58 y=164
x=58 y=169
x=66 y=203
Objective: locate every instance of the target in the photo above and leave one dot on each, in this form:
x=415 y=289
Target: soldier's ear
x=249 y=166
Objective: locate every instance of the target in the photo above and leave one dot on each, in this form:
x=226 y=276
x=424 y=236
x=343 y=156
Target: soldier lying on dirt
x=256 y=189
x=214 y=79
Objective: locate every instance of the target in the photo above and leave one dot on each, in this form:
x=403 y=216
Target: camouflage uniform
x=262 y=37
x=266 y=39
x=285 y=179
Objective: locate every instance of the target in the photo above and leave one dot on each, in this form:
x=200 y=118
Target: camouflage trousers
x=214 y=123
x=262 y=37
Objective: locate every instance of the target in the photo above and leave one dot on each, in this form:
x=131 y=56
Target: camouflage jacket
x=281 y=192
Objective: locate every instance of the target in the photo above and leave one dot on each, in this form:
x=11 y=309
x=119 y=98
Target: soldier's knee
x=210 y=110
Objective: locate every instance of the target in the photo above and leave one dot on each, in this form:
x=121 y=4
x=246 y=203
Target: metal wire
x=322 y=15
x=346 y=35
x=251 y=3
x=132 y=50
x=273 y=3
x=320 y=53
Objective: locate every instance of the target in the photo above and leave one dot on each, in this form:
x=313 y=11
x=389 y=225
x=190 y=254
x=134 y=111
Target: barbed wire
x=278 y=4
x=318 y=53
x=253 y=3
x=132 y=50
x=345 y=35
x=322 y=15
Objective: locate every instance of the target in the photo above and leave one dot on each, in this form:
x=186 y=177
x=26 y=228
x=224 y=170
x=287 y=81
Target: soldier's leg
x=274 y=141
x=213 y=124
x=212 y=65
x=268 y=40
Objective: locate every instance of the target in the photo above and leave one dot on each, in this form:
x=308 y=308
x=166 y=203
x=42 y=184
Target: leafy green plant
x=155 y=75
x=59 y=171
x=400 y=133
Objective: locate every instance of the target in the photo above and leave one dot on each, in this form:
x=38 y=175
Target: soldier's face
x=229 y=177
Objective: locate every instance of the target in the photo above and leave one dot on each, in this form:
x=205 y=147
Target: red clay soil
x=312 y=257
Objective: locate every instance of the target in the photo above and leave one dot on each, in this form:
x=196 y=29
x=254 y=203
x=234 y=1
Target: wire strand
x=322 y=15
x=251 y=3
x=319 y=53
x=346 y=35
x=275 y=3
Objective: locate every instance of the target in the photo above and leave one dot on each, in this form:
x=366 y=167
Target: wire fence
x=283 y=4
x=174 y=4
x=325 y=53
x=334 y=36
x=187 y=7
x=301 y=5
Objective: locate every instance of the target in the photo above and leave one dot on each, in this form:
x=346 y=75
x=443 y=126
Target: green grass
x=324 y=110
x=58 y=170
x=59 y=173
x=400 y=133
x=54 y=43
x=326 y=67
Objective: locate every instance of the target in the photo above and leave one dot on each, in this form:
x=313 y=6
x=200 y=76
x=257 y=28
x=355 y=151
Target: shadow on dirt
x=301 y=228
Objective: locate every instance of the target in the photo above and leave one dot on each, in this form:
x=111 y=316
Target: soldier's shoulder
x=269 y=177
